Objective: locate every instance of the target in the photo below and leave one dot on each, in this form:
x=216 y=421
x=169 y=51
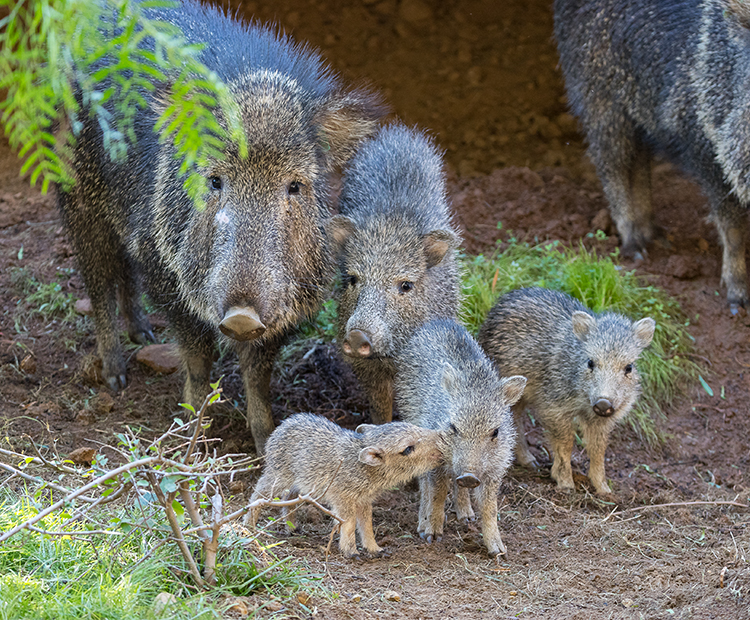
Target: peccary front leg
x=348 y=533
x=434 y=490
x=562 y=447
x=623 y=162
x=364 y=525
x=464 y=511
x=256 y=363
x=596 y=438
x=376 y=377
x=486 y=495
x=523 y=455
x=730 y=218
x=197 y=357
x=139 y=327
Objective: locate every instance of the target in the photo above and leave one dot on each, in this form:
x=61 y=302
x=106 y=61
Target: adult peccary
x=254 y=261
x=396 y=247
x=580 y=367
x=445 y=382
x=669 y=78
x=308 y=454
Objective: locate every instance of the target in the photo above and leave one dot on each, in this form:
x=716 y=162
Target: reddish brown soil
x=482 y=76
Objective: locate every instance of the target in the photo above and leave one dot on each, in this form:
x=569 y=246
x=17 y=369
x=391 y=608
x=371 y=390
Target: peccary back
x=580 y=368
x=444 y=381
x=671 y=78
x=396 y=246
x=255 y=261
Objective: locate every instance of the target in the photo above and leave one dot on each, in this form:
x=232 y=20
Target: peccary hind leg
x=730 y=218
x=523 y=455
x=364 y=525
x=562 y=448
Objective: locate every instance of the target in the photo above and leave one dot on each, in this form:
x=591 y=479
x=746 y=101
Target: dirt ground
x=482 y=76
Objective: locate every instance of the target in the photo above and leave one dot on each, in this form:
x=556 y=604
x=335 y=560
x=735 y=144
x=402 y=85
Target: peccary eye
x=591 y=364
x=405 y=286
x=407 y=451
x=454 y=430
x=628 y=369
x=294 y=188
x=215 y=182
x=350 y=280
x=495 y=433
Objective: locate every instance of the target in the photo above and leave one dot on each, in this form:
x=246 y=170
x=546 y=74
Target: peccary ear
x=339 y=228
x=449 y=378
x=371 y=456
x=583 y=325
x=363 y=428
x=643 y=331
x=512 y=389
x=739 y=10
x=436 y=245
x=346 y=120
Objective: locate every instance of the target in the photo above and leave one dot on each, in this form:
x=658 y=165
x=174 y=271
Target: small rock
x=102 y=403
x=703 y=245
x=162 y=601
x=162 y=358
x=28 y=364
x=392 y=595
x=83 y=306
x=82 y=456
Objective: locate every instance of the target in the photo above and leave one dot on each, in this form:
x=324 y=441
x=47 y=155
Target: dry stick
x=199 y=419
x=52 y=485
x=674 y=504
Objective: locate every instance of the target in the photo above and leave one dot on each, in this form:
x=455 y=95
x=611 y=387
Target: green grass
x=117 y=577
x=45 y=299
x=601 y=284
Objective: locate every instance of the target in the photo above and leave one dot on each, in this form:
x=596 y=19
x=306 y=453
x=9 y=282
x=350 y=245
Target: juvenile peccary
x=252 y=263
x=445 y=382
x=580 y=368
x=396 y=247
x=669 y=78
x=308 y=454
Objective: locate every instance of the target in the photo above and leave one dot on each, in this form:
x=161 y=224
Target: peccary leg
x=523 y=456
x=730 y=218
x=434 y=487
x=263 y=490
x=256 y=364
x=139 y=327
x=377 y=380
x=464 y=511
x=623 y=162
x=197 y=356
x=364 y=525
x=596 y=438
x=562 y=448
x=486 y=496
x=348 y=534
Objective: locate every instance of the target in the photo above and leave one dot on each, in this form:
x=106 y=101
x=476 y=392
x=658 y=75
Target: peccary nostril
x=470 y=481
x=357 y=344
x=603 y=408
x=242 y=323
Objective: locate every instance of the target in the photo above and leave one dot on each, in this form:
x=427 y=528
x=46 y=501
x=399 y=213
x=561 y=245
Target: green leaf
x=168 y=484
x=705 y=385
x=177 y=507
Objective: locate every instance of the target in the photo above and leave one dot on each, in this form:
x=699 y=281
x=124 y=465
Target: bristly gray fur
x=573 y=359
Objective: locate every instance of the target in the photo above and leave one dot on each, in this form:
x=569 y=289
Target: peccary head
x=610 y=345
x=401 y=450
x=480 y=434
x=395 y=243
x=254 y=261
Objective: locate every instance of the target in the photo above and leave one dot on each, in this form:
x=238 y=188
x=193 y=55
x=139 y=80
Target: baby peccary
x=445 y=382
x=396 y=248
x=308 y=454
x=580 y=367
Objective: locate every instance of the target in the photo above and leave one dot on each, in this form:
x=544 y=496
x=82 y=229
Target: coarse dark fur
x=308 y=454
x=259 y=242
x=397 y=253
x=573 y=360
x=665 y=77
x=444 y=381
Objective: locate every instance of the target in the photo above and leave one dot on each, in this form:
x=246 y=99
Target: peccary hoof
x=357 y=344
x=603 y=408
x=469 y=481
x=117 y=383
x=429 y=538
x=242 y=323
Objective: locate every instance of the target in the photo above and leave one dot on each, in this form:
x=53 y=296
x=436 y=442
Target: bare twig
x=679 y=504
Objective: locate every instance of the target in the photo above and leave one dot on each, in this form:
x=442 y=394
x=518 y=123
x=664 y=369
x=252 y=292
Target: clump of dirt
x=482 y=76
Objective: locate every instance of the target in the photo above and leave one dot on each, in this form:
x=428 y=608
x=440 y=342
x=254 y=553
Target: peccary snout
x=357 y=343
x=469 y=481
x=603 y=408
x=242 y=323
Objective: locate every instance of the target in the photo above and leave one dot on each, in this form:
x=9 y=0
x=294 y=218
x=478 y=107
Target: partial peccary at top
x=580 y=367
x=347 y=470
x=254 y=262
x=444 y=381
x=668 y=78
x=396 y=247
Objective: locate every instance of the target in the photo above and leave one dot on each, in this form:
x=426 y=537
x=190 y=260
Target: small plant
x=45 y=299
x=601 y=284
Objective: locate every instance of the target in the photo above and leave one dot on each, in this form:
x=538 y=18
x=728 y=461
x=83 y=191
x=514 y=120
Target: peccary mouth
x=242 y=323
x=603 y=408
